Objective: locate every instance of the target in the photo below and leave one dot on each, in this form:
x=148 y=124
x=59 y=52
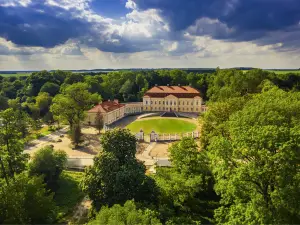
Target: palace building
x=181 y=99
x=172 y=98
x=112 y=111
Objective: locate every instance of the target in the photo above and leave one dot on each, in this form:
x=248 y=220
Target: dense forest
x=245 y=169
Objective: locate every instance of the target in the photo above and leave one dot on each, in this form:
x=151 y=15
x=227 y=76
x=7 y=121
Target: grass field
x=162 y=126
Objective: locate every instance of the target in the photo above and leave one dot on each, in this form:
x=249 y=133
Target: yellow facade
x=108 y=117
x=172 y=103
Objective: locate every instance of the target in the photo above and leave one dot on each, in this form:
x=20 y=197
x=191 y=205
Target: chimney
x=116 y=101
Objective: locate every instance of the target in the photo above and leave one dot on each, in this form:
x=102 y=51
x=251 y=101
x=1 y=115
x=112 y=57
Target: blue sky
x=87 y=34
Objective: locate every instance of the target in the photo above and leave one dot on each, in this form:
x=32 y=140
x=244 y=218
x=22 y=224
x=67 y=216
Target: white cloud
x=211 y=27
x=130 y=4
x=14 y=3
x=70 y=4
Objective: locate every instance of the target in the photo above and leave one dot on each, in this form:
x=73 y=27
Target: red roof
x=105 y=107
x=178 y=91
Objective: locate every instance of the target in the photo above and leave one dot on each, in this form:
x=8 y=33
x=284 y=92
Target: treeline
x=130 y=86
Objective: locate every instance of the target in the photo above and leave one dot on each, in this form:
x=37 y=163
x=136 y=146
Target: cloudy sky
x=88 y=34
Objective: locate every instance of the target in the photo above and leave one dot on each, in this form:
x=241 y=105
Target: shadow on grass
x=68 y=195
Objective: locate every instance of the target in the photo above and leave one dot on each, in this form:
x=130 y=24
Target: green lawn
x=162 y=126
x=69 y=194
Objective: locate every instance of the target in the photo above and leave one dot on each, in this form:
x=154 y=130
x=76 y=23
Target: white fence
x=172 y=137
x=80 y=162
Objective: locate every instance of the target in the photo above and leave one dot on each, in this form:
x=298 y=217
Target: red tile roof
x=178 y=91
x=106 y=107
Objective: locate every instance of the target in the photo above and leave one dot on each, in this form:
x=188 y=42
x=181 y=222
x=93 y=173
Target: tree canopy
x=256 y=165
x=48 y=163
x=127 y=214
x=116 y=175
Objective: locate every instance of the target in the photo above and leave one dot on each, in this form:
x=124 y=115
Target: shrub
x=48 y=163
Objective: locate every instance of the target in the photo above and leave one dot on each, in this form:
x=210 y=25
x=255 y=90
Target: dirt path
x=90 y=146
x=80 y=215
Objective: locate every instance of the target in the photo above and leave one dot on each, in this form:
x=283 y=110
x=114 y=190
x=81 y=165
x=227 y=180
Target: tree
x=127 y=214
x=99 y=121
x=26 y=201
x=96 y=99
x=72 y=103
x=15 y=103
x=49 y=164
x=51 y=88
x=3 y=102
x=76 y=134
x=140 y=81
x=12 y=158
x=43 y=102
x=212 y=122
x=235 y=83
x=116 y=175
x=126 y=89
x=187 y=187
x=73 y=78
x=256 y=166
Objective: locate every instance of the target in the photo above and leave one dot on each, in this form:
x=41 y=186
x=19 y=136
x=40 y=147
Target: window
x=187 y=103
x=167 y=102
x=151 y=102
x=192 y=103
x=174 y=103
x=159 y=102
x=191 y=109
x=163 y=102
x=183 y=103
x=146 y=102
x=155 y=102
x=170 y=103
x=179 y=103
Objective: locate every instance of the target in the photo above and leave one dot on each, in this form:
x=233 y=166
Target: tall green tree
x=116 y=175
x=13 y=160
x=256 y=166
x=51 y=88
x=212 y=122
x=72 y=103
x=43 y=102
x=127 y=214
x=187 y=188
x=99 y=121
x=26 y=201
x=3 y=102
x=76 y=134
x=48 y=163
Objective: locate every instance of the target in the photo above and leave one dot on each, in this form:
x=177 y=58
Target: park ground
x=72 y=204
x=91 y=145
